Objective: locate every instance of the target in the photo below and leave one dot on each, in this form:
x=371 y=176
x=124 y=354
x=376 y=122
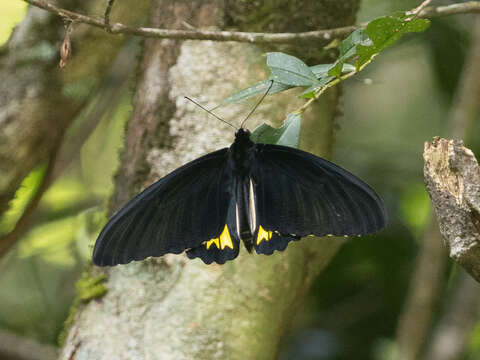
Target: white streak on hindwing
x=237 y=220
x=252 y=212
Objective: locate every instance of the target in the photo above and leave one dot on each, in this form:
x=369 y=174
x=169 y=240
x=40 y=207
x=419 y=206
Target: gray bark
x=171 y=307
x=452 y=178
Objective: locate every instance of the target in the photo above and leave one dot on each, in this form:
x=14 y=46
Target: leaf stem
x=332 y=83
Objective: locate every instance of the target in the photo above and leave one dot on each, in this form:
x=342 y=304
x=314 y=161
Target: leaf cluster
x=287 y=71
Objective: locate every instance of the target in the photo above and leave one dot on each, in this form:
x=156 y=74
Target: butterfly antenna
x=258 y=103
x=208 y=111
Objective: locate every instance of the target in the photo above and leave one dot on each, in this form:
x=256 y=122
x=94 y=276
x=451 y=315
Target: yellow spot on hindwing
x=263 y=235
x=210 y=242
x=223 y=241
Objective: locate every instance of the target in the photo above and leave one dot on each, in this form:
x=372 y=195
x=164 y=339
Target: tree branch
x=214 y=311
x=421 y=7
x=106 y=17
x=452 y=177
x=249 y=37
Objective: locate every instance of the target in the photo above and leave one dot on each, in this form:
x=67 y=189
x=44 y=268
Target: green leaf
x=310 y=92
x=336 y=69
x=288 y=134
x=290 y=70
x=320 y=71
x=348 y=46
x=386 y=31
x=348 y=49
x=379 y=34
x=254 y=90
x=348 y=68
x=417 y=25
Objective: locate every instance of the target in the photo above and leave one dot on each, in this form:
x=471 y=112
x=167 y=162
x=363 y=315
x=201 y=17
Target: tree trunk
x=171 y=307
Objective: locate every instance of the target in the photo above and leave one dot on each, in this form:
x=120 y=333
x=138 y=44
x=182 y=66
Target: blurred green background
x=400 y=101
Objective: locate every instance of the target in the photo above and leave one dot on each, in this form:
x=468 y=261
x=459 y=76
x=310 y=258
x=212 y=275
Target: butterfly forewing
x=180 y=211
x=299 y=194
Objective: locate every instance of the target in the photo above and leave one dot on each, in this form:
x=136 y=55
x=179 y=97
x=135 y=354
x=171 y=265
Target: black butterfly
x=266 y=195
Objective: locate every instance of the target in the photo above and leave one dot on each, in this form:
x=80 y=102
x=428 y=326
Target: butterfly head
x=242 y=133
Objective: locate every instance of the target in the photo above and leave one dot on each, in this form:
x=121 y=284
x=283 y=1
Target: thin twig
x=249 y=37
x=420 y=7
x=332 y=83
x=107 y=15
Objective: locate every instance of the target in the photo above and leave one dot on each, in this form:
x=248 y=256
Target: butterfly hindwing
x=266 y=241
x=223 y=247
x=178 y=212
x=298 y=194
x=220 y=249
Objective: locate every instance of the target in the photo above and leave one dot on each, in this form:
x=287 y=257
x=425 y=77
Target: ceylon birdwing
x=265 y=195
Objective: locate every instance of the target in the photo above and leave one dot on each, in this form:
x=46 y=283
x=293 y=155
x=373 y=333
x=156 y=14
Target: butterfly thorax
x=239 y=159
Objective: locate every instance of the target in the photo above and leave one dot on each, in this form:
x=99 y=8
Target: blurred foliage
x=287 y=135
x=387 y=112
x=474 y=346
x=99 y=155
x=52 y=241
x=38 y=277
x=415 y=207
x=12 y=11
x=68 y=220
x=447 y=68
x=26 y=191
